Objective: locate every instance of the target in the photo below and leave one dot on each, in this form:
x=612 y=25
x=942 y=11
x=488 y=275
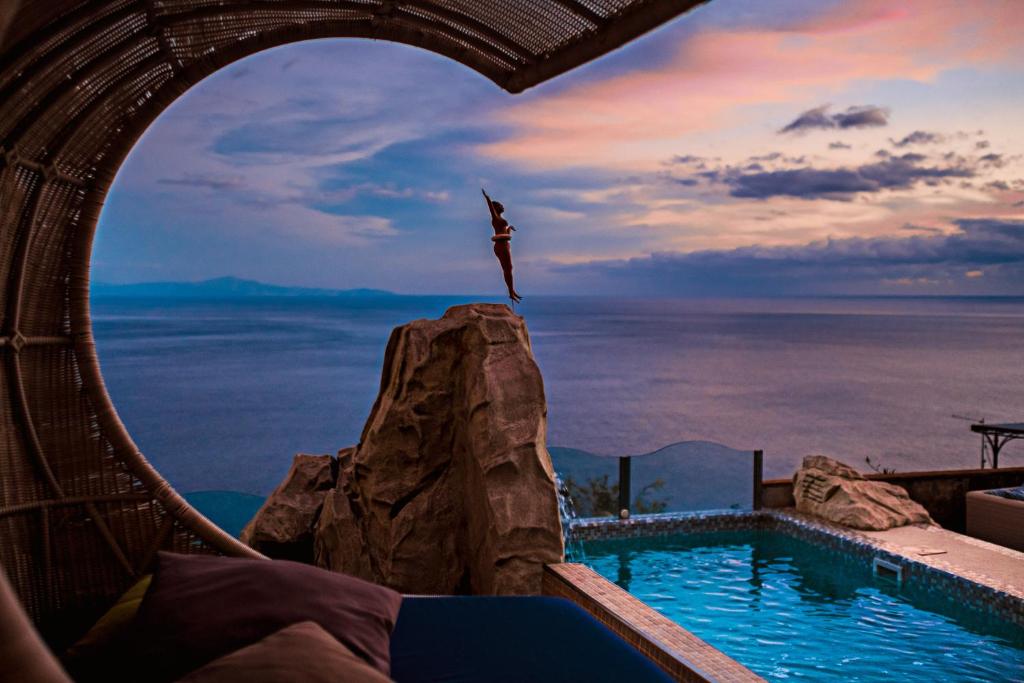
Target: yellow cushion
x=112 y=625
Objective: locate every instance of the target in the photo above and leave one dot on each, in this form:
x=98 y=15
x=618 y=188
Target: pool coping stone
x=681 y=654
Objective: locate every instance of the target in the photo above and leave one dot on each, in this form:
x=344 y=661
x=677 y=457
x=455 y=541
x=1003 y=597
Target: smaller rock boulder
x=834 y=491
x=284 y=527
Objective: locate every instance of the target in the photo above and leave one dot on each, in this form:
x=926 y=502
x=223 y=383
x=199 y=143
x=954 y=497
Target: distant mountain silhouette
x=223 y=288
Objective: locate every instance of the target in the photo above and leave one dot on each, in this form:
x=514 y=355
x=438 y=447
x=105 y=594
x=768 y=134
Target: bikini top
x=501 y=238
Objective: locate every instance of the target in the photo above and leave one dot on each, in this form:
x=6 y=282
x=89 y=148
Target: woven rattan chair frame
x=82 y=513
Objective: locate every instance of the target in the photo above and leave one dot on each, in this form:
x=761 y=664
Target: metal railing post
x=624 y=484
x=758 y=479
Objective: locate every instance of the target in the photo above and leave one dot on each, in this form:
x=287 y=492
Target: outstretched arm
x=490 y=204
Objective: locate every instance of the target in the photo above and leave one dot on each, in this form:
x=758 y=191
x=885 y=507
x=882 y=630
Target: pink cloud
x=633 y=119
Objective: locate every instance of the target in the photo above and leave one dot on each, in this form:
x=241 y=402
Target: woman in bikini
x=502 y=239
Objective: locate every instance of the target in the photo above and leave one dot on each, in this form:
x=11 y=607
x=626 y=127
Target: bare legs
x=504 y=254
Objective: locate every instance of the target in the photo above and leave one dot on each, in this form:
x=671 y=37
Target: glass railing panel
x=687 y=476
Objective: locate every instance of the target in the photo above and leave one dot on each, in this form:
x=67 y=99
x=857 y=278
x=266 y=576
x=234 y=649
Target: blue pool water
x=788 y=609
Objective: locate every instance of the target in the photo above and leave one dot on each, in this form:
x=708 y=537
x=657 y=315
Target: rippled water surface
x=788 y=609
x=221 y=394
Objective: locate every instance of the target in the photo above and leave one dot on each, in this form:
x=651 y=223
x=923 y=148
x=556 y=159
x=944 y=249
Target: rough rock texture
x=834 y=491
x=283 y=528
x=451 y=488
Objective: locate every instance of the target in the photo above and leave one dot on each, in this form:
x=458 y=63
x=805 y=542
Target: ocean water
x=220 y=394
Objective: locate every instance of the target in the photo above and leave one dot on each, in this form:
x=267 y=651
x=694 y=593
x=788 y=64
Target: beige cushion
x=300 y=652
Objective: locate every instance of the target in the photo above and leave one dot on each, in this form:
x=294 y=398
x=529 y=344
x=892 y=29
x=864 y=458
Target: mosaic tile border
x=682 y=655
x=931 y=574
x=599 y=528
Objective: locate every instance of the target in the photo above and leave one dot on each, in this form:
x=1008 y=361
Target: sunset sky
x=791 y=147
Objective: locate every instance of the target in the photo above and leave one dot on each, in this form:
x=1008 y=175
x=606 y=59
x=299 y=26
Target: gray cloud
x=839 y=145
x=892 y=173
x=910 y=227
x=812 y=118
x=205 y=182
x=838 y=266
x=994 y=160
x=919 y=137
x=775 y=174
x=866 y=116
x=780 y=158
x=690 y=160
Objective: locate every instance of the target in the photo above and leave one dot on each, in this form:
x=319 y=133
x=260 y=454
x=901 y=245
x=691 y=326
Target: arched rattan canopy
x=81 y=511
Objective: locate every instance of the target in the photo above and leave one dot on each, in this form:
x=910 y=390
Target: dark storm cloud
x=892 y=173
x=867 y=116
x=918 y=137
x=995 y=246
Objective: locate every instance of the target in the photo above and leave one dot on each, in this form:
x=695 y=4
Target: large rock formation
x=284 y=526
x=451 y=488
x=834 y=491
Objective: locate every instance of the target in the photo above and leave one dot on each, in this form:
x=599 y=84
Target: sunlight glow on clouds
x=715 y=74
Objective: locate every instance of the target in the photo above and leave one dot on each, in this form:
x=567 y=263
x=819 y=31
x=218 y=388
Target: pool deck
x=982 y=562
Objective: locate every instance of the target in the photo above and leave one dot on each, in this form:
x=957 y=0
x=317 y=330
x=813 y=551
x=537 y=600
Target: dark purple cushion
x=201 y=607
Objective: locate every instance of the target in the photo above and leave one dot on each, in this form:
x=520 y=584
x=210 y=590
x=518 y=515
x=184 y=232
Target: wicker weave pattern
x=81 y=511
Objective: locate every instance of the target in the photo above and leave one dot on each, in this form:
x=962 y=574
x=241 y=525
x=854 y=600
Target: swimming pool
x=790 y=609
